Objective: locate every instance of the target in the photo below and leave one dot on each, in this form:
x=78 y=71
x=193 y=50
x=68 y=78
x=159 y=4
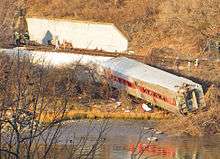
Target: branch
x=9 y=152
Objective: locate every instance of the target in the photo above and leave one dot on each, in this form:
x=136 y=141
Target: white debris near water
x=146 y=107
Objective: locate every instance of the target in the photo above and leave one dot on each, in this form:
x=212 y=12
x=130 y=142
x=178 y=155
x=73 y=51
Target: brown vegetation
x=35 y=100
x=201 y=123
x=28 y=94
x=182 y=26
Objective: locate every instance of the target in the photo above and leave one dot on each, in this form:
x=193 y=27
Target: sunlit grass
x=97 y=114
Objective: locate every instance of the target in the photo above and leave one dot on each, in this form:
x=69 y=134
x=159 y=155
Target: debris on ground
x=147 y=128
x=127 y=111
x=152 y=139
x=117 y=104
x=158 y=132
x=146 y=108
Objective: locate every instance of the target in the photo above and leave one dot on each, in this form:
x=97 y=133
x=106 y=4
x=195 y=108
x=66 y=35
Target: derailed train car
x=168 y=91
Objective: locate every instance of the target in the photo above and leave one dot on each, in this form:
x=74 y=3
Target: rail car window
x=113 y=77
x=164 y=98
x=150 y=92
x=156 y=95
x=129 y=84
x=197 y=94
x=153 y=94
x=133 y=85
x=141 y=89
x=189 y=100
x=122 y=81
x=146 y=91
x=125 y=82
x=110 y=76
x=159 y=96
x=119 y=79
x=116 y=79
x=173 y=102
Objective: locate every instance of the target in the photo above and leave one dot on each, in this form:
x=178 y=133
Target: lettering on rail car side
x=143 y=90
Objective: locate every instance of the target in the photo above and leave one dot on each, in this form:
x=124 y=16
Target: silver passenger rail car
x=165 y=90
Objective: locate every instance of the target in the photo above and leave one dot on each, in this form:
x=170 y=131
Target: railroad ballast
x=168 y=91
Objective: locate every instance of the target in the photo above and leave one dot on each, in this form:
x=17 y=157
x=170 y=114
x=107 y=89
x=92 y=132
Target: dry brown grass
x=182 y=26
x=97 y=114
x=106 y=109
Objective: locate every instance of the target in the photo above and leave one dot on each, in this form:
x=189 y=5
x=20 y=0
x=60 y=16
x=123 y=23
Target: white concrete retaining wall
x=57 y=59
x=84 y=35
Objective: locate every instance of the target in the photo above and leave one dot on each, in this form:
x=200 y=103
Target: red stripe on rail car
x=143 y=90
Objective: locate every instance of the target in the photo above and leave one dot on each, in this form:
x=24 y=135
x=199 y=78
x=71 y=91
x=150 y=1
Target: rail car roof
x=134 y=69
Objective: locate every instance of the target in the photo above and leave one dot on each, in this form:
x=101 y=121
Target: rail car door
x=191 y=101
x=181 y=103
x=187 y=102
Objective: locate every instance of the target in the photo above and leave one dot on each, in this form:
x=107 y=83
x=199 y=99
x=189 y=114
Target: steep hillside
x=180 y=25
x=6 y=21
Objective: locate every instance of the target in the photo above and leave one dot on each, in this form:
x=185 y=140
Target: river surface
x=130 y=140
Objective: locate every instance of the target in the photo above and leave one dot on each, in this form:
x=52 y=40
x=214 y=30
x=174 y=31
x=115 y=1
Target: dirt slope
x=181 y=25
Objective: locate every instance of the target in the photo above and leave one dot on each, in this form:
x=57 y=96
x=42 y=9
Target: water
x=169 y=148
x=129 y=139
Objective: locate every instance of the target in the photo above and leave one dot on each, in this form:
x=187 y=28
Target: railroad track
x=141 y=58
x=86 y=52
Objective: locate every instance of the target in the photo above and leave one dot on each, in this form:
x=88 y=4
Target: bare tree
x=33 y=101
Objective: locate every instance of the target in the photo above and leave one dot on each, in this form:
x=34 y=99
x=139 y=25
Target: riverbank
x=91 y=100
x=108 y=111
x=75 y=115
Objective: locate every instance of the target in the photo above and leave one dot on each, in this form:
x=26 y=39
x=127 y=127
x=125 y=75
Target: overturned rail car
x=168 y=91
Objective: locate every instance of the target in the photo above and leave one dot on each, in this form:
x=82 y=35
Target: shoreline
x=95 y=114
